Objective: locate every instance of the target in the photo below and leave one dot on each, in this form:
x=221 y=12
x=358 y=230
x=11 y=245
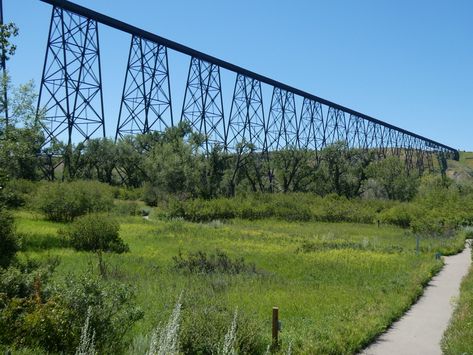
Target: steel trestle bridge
x=71 y=99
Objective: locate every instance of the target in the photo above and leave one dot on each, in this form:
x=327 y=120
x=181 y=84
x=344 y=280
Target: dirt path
x=420 y=330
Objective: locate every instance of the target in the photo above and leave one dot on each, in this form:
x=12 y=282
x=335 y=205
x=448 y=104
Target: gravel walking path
x=421 y=329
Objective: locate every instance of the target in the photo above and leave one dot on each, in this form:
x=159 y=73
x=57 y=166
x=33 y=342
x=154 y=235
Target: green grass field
x=337 y=285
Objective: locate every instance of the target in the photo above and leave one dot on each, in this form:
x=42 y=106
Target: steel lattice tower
x=282 y=127
x=247 y=121
x=146 y=101
x=70 y=99
x=203 y=103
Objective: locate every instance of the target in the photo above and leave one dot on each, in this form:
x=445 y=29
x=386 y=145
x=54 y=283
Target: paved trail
x=420 y=330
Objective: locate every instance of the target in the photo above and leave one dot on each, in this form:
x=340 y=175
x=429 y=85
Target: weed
x=229 y=341
x=165 y=341
x=87 y=337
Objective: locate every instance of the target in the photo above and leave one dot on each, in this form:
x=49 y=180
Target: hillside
x=461 y=170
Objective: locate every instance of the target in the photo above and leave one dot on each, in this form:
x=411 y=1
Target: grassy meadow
x=338 y=285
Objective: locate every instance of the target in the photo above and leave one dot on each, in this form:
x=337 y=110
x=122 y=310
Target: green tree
x=212 y=172
x=291 y=168
x=130 y=160
x=390 y=173
x=8 y=48
x=100 y=157
x=22 y=139
x=341 y=170
x=172 y=165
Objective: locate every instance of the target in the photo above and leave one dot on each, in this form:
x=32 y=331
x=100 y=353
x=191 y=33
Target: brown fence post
x=275 y=326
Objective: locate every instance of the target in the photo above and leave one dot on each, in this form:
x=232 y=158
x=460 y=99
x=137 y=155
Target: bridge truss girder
x=294 y=119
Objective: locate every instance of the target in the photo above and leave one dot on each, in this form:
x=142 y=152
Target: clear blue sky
x=407 y=62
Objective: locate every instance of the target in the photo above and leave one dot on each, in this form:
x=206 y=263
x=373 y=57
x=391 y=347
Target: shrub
x=401 y=214
x=290 y=207
x=127 y=194
x=127 y=208
x=19 y=281
x=18 y=192
x=63 y=202
x=51 y=317
x=205 y=325
x=8 y=241
x=151 y=195
x=113 y=310
x=24 y=303
x=95 y=232
x=219 y=262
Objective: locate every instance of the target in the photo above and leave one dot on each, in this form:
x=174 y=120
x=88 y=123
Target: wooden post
x=275 y=326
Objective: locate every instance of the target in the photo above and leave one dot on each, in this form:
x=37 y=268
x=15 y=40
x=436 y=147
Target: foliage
x=171 y=165
x=24 y=303
x=38 y=314
x=229 y=342
x=7 y=32
x=65 y=201
x=127 y=208
x=113 y=309
x=18 y=192
x=126 y=194
x=131 y=153
x=219 y=262
x=100 y=159
x=22 y=138
x=205 y=325
x=401 y=214
x=341 y=171
x=392 y=176
x=21 y=280
x=291 y=207
x=8 y=240
x=95 y=232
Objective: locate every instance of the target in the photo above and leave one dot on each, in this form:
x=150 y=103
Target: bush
x=334 y=208
x=400 y=215
x=95 y=232
x=63 y=202
x=8 y=241
x=219 y=262
x=205 y=324
x=127 y=194
x=113 y=310
x=18 y=192
x=19 y=281
x=127 y=208
x=50 y=317
x=290 y=207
